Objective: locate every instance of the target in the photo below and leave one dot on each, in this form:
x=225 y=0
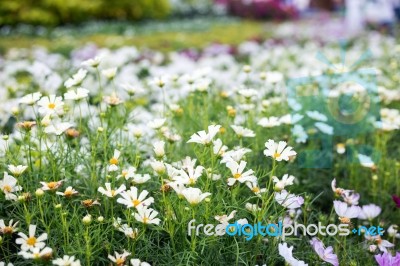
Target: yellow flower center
x=237 y=175
x=146 y=220
x=31 y=241
x=277 y=155
x=7 y=188
x=52 y=185
x=256 y=189
x=52 y=105
x=136 y=202
x=192 y=181
x=344 y=220
x=114 y=161
x=112 y=192
x=124 y=173
x=120 y=261
x=7 y=230
x=68 y=193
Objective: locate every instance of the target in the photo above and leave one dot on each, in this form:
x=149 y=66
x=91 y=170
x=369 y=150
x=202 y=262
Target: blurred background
x=167 y=25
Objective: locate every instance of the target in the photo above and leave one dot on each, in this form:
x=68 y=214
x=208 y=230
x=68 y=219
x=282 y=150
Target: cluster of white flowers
x=152 y=139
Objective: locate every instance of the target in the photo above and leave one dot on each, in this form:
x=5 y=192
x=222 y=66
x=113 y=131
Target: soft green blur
x=55 y=12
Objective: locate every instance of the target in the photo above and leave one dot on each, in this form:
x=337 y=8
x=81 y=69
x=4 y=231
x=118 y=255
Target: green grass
x=162 y=36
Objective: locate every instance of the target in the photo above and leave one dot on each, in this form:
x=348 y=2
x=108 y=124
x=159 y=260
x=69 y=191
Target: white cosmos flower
x=50 y=105
x=366 y=161
x=290 y=119
x=237 y=173
x=350 y=197
x=158 y=148
x=202 y=85
x=158 y=167
x=285 y=181
x=324 y=128
x=36 y=253
x=290 y=201
x=114 y=161
x=234 y=155
x=202 y=137
x=278 y=151
x=219 y=148
x=109 y=192
x=346 y=212
x=147 y=216
x=53 y=185
x=243 y=132
x=287 y=253
x=30 y=242
x=194 y=195
x=255 y=188
x=93 y=62
x=188 y=163
x=190 y=176
x=269 y=122
x=224 y=219
x=159 y=81
x=128 y=231
x=317 y=116
x=76 y=95
x=156 y=123
x=66 y=261
x=138 y=262
x=252 y=207
x=369 y=212
x=382 y=244
x=300 y=134
x=119 y=259
x=9 y=186
x=76 y=79
x=109 y=73
x=248 y=93
x=69 y=192
x=31 y=99
x=273 y=77
x=132 y=90
x=127 y=173
x=132 y=198
x=140 y=179
x=57 y=128
x=178 y=188
x=113 y=99
x=17 y=170
x=8 y=229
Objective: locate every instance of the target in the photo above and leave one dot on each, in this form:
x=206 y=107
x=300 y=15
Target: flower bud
x=246 y=69
x=39 y=192
x=87 y=219
x=372 y=248
x=15 y=111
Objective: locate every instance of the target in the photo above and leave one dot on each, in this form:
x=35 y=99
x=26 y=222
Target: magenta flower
x=386 y=259
x=396 y=200
x=326 y=254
